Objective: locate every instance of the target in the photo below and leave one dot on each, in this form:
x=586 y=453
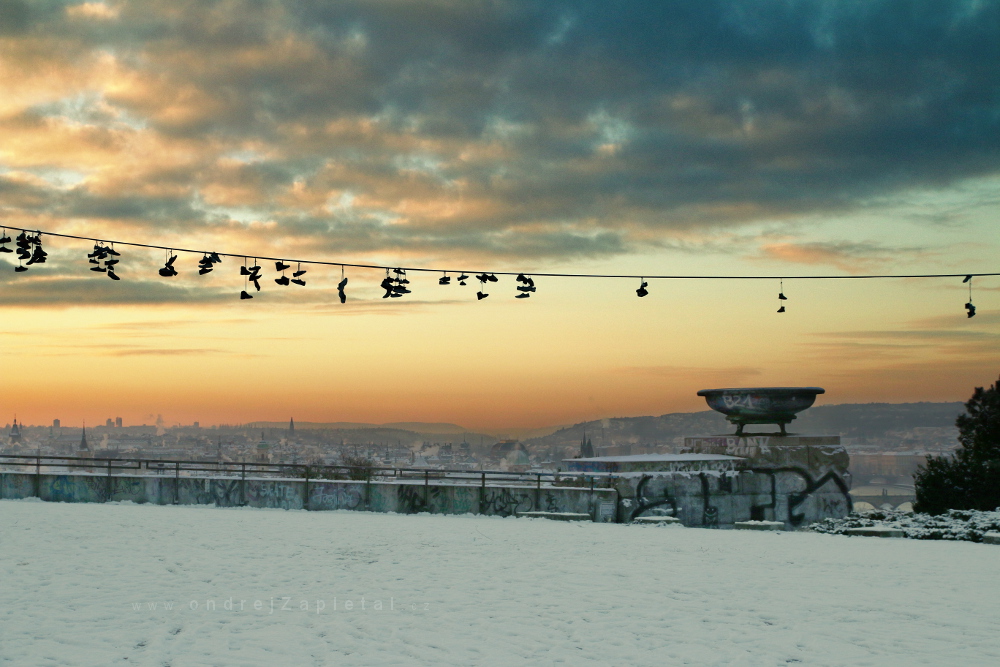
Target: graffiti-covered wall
x=794 y=479
x=712 y=499
x=373 y=496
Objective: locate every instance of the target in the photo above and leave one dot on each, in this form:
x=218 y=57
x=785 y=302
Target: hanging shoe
x=244 y=295
x=299 y=281
x=38 y=256
x=283 y=280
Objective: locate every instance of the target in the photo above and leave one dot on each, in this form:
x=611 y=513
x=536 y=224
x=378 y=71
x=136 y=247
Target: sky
x=723 y=137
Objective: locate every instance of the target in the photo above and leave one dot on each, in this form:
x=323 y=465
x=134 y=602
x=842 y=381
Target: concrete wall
x=795 y=494
x=712 y=499
x=404 y=498
x=796 y=479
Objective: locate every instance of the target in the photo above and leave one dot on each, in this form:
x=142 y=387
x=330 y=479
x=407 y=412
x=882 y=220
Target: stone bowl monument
x=761 y=405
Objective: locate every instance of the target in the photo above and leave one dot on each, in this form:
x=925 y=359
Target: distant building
x=586 y=448
x=118 y=422
x=263 y=453
x=83 y=440
x=109 y=423
x=504 y=448
x=291 y=425
x=15 y=432
x=56 y=423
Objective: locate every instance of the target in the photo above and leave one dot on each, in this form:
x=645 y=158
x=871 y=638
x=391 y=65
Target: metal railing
x=309 y=472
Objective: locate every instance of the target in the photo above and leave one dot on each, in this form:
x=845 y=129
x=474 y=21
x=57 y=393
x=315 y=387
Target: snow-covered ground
x=86 y=584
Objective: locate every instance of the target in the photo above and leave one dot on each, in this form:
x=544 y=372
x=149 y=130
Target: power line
x=385 y=267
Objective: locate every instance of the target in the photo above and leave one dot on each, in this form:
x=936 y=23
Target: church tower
x=15 y=432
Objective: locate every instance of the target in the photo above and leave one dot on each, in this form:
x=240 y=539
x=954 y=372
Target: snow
x=474 y=590
x=970 y=525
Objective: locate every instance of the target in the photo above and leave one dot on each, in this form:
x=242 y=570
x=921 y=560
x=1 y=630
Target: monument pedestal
x=815 y=454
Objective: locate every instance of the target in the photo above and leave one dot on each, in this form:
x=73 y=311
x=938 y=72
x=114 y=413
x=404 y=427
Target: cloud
x=93 y=10
x=935 y=358
x=509 y=129
x=938 y=339
x=162 y=352
x=845 y=255
x=48 y=291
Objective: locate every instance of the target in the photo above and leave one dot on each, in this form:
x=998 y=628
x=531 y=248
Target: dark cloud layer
x=512 y=129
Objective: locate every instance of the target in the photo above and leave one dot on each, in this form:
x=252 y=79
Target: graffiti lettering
x=795 y=499
x=219 y=492
x=335 y=496
x=505 y=503
x=644 y=504
x=411 y=500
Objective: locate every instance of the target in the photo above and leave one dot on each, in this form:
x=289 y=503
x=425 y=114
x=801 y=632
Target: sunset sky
x=717 y=137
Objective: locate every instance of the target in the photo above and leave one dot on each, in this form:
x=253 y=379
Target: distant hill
x=415 y=427
x=428 y=428
x=423 y=428
x=867 y=421
x=873 y=420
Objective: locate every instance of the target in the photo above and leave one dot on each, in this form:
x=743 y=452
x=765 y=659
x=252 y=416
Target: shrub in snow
x=969 y=525
x=970 y=480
